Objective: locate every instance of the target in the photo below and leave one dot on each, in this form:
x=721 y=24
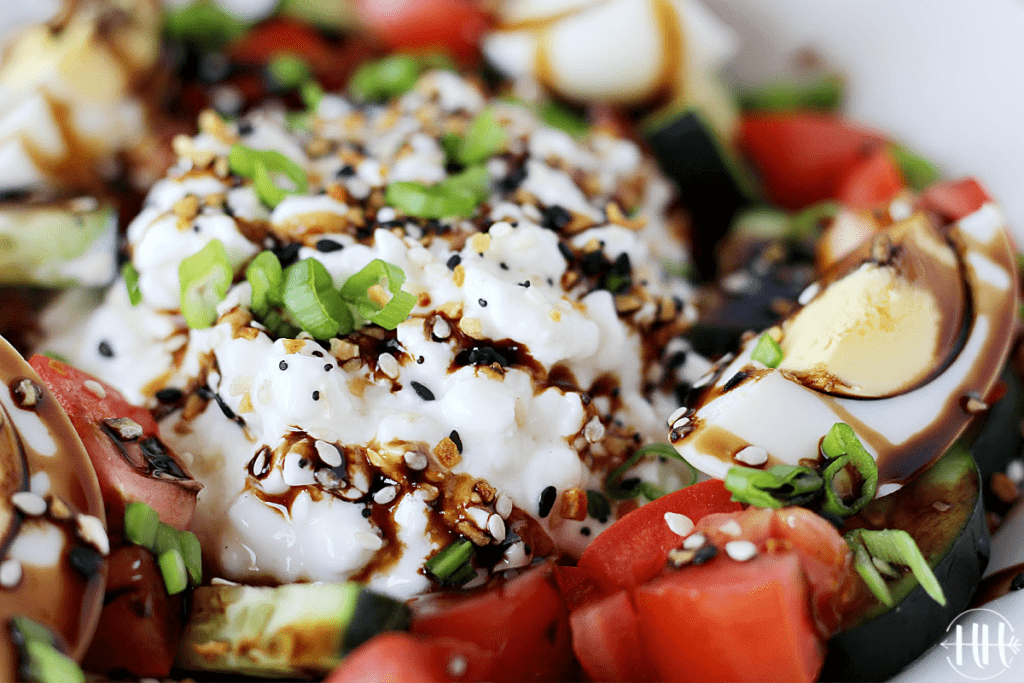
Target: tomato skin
x=634 y=548
x=522 y=625
x=121 y=480
x=803 y=156
x=954 y=199
x=731 y=621
x=397 y=657
x=871 y=182
x=452 y=26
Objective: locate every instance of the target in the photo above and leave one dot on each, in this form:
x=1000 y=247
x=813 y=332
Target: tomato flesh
x=451 y=26
x=634 y=548
x=873 y=181
x=397 y=657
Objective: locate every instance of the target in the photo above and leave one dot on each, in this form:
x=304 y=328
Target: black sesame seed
x=525 y=283
x=704 y=553
x=456 y=439
x=318 y=354
x=303 y=462
x=555 y=217
x=454 y=261
x=283 y=365
x=504 y=266
x=346 y=171
x=423 y=392
x=326 y=245
x=287 y=254
x=482 y=302
x=420 y=360
x=480 y=355
x=547 y=501
x=735 y=380
x=195 y=227
x=169 y=395
x=244 y=128
x=85 y=560
x=585 y=530
x=677 y=359
x=512 y=181
x=566 y=252
x=1017 y=582
x=551 y=283
x=367 y=512
x=327 y=367
x=316 y=395
x=105 y=349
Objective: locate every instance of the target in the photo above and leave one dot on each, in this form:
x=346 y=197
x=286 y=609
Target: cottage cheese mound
x=531 y=366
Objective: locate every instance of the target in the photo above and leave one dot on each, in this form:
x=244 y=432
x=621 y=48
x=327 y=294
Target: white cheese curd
x=527 y=370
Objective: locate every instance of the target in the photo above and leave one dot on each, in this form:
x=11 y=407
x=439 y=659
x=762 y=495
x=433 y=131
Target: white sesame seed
x=477 y=516
x=259 y=462
x=514 y=557
x=39 y=484
x=1015 y=471
x=329 y=453
x=900 y=209
x=752 y=455
x=496 y=527
x=415 y=460
x=10 y=573
x=594 y=431
x=732 y=527
x=29 y=503
x=90 y=530
x=369 y=541
x=441 y=328
x=695 y=541
x=741 y=551
x=680 y=423
x=457 y=666
x=385 y=495
x=681 y=525
x=941 y=505
x=95 y=388
x=294 y=472
x=388 y=364
x=220 y=581
x=679 y=412
x=503 y=506
x=809 y=293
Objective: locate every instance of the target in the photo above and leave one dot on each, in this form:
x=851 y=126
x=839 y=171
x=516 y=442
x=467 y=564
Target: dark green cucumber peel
x=876 y=642
x=710 y=181
x=290 y=631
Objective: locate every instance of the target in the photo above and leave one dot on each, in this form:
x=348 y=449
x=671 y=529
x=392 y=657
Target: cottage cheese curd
x=530 y=367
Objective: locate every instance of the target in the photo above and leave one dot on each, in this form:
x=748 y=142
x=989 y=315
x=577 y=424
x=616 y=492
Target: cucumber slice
x=290 y=631
x=942 y=509
x=58 y=243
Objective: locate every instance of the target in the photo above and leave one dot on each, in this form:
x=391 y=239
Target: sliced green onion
x=204 y=23
x=379 y=276
x=762 y=223
x=192 y=556
x=869 y=572
x=823 y=94
x=266 y=278
x=47 y=664
x=311 y=94
x=767 y=351
x=141 y=523
x=774 y=487
x=484 y=138
x=457 y=195
x=807 y=223
x=310 y=296
x=598 y=506
x=918 y=171
x=278 y=326
x=557 y=116
x=259 y=164
x=29 y=630
x=205 y=278
x=895 y=546
x=449 y=560
x=131 y=281
x=617 y=489
x=385 y=78
x=166 y=539
x=842 y=445
x=289 y=71
x=172 y=568
x=461 y=575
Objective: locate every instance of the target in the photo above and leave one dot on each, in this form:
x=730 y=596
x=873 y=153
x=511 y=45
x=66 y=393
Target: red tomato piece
x=606 y=640
x=803 y=156
x=126 y=470
x=521 y=624
x=871 y=182
x=731 y=621
x=281 y=36
x=397 y=657
x=954 y=199
x=635 y=548
x=452 y=26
